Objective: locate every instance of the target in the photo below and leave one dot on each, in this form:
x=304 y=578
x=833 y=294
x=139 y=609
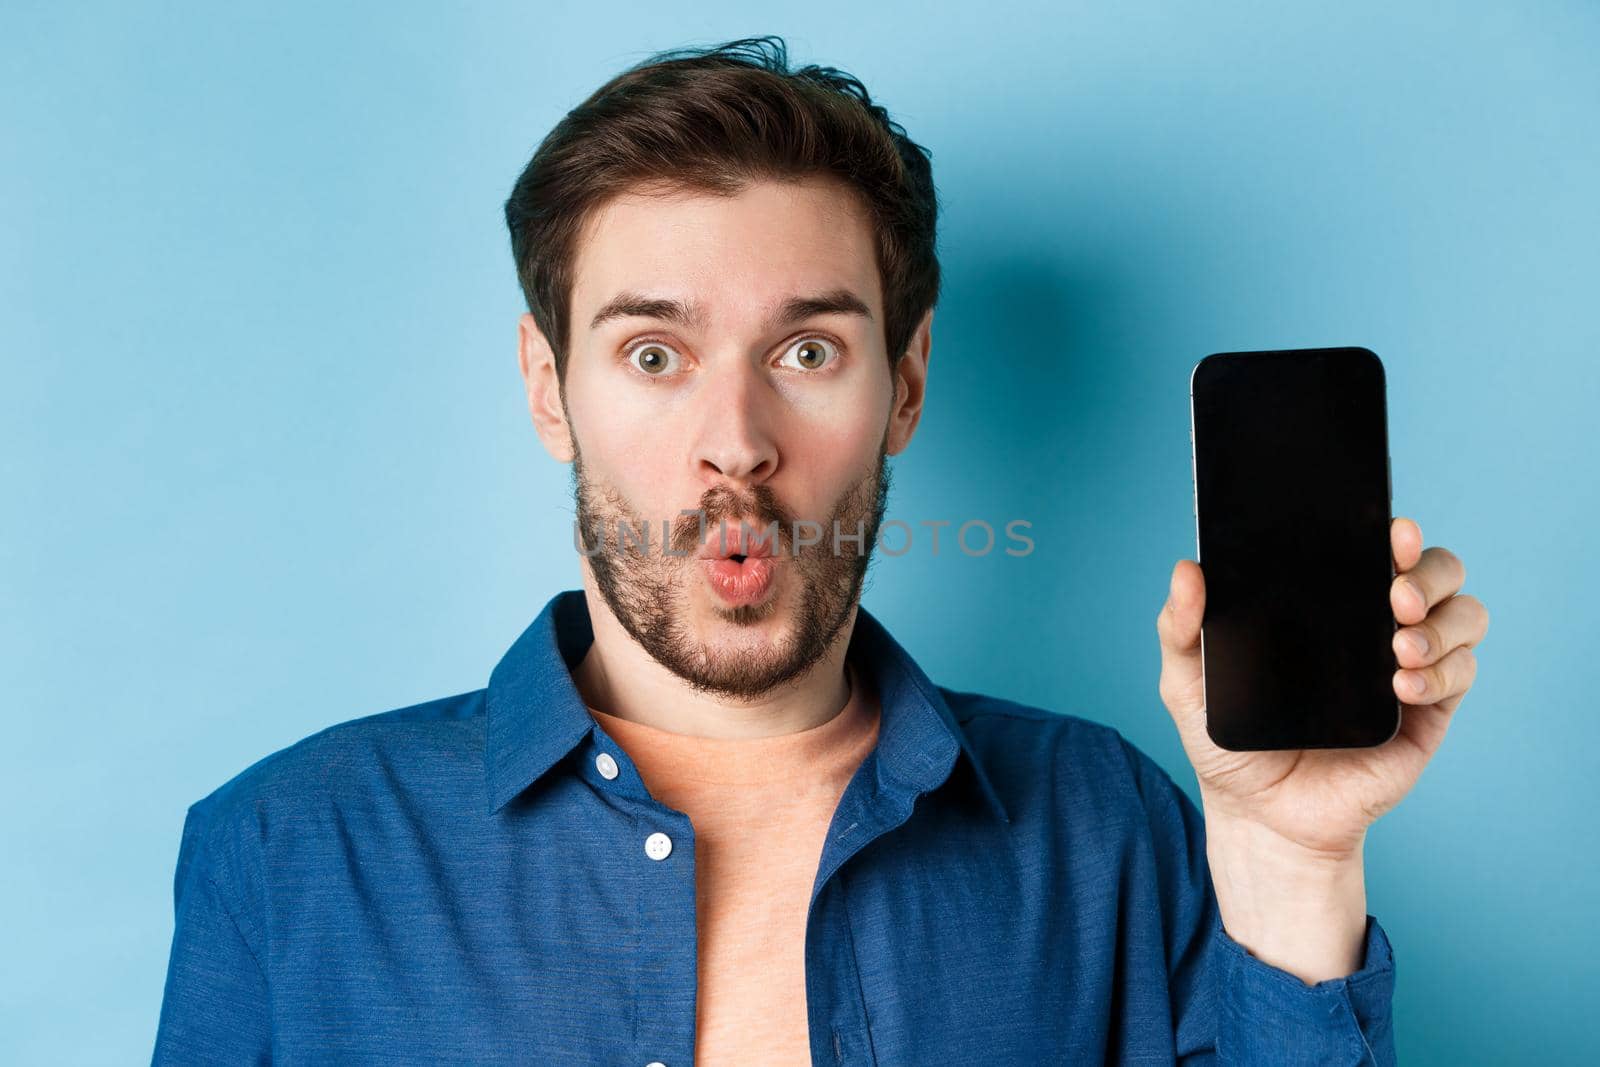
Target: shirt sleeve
x=1231 y=1008
x=214 y=1008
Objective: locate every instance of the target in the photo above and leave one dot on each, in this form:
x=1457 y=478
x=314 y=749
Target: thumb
x=1182 y=678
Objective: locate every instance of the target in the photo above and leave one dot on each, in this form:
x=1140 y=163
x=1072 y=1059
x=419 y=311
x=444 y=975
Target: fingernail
x=1416 y=642
x=1414 y=684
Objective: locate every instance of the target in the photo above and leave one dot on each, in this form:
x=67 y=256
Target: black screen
x=1292 y=494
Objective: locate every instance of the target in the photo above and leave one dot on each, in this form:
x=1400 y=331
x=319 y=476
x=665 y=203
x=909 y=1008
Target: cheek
x=831 y=449
x=615 y=428
x=627 y=451
x=850 y=412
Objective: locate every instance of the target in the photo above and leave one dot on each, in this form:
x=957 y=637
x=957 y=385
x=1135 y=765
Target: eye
x=812 y=353
x=653 y=359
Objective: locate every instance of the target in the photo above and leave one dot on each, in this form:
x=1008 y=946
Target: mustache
x=719 y=505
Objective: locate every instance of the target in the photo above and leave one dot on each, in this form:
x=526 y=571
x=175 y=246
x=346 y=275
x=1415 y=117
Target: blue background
x=267 y=465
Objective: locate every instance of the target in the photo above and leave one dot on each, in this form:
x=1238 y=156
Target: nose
x=736 y=441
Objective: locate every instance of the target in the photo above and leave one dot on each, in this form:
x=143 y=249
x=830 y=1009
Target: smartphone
x=1292 y=498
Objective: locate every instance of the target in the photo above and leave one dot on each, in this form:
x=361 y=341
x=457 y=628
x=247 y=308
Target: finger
x=1459 y=622
x=1179 y=622
x=1405 y=543
x=1423 y=726
x=1438 y=575
x=1178 y=625
x=1441 y=683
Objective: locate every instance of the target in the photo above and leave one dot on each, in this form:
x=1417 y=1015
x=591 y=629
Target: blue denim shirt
x=456 y=882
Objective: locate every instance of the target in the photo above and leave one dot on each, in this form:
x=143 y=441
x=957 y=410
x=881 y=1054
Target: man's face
x=740 y=413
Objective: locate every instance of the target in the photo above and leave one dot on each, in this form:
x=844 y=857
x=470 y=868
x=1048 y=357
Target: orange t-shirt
x=760 y=808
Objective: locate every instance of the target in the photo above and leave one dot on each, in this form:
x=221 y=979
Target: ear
x=910 y=386
x=538 y=363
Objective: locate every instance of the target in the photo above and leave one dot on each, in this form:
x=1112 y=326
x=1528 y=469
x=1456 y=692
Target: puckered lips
x=738 y=564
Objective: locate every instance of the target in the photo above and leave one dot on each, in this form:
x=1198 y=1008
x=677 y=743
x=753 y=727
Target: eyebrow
x=691 y=315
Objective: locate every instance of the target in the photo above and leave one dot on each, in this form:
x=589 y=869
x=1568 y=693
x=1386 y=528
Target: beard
x=648 y=590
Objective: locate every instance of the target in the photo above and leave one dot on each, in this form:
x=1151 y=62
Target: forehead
x=737 y=254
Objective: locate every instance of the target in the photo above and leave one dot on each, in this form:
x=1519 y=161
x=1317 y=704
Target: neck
x=619 y=677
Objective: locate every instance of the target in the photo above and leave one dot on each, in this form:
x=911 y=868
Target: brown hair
x=714 y=120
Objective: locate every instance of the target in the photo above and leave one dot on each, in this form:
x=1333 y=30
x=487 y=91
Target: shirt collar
x=536 y=715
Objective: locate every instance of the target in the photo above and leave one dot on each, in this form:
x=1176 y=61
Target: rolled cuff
x=1269 y=1016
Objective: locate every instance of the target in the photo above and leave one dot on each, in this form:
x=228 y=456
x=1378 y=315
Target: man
x=707 y=810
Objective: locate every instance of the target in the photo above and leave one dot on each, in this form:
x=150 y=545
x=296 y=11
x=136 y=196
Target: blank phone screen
x=1292 y=513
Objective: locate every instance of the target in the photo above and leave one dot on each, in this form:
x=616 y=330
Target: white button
x=657 y=846
x=607 y=765
x=655 y=1063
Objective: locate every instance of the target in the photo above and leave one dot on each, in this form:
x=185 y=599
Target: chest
x=588 y=940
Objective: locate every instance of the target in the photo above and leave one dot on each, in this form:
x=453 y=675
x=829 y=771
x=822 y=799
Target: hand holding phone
x=1278 y=646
